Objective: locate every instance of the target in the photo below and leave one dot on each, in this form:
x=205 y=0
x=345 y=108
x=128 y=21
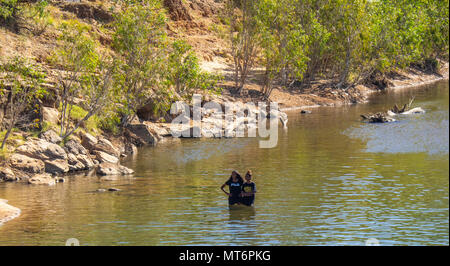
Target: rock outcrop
x=53 y=155
x=78 y=156
x=87 y=11
x=103 y=157
x=38 y=158
x=42 y=179
x=6 y=174
x=141 y=134
x=88 y=141
x=51 y=136
x=50 y=115
x=42 y=149
x=26 y=164
x=113 y=169
x=106 y=146
x=177 y=10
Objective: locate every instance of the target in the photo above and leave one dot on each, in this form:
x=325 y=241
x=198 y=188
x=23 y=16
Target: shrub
x=8 y=9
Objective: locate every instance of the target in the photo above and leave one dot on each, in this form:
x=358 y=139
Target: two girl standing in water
x=241 y=192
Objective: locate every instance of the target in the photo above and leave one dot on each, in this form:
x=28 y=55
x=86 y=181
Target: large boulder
x=88 y=141
x=42 y=149
x=74 y=163
x=74 y=147
x=86 y=160
x=141 y=134
x=106 y=146
x=58 y=166
x=6 y=174
x=106 y=168
x=42 y=179
x=78 y=156
x=51 y=136
x=50 y=115
x=105 y=157
x=26 y=164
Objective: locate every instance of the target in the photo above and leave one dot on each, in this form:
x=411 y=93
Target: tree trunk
x=344 y=74
x=8 y=132
x=78 y=125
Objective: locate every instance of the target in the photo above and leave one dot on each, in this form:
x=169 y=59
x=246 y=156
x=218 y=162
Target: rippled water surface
x=331 y=180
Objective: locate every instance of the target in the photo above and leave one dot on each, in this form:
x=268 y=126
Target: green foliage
x=22 y=81
x=87 y=76
x=8 y=9
x=14 y=11
x=22 y=78
x=78 y=48
x=184 y=72
x=282 y=39
x=346 y=40
x=140 y=42
x=39 y=14
x=243 y=36
x=150 y=67
x=77 y=113
x=110 y=122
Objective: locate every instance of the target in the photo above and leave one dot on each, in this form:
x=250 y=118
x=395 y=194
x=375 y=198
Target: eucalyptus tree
x=241 y=16
x=85 y=75
x=140 y=42
x=22 y=82
x=283 y=41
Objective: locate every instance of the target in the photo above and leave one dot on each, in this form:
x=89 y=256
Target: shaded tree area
x=347 y=41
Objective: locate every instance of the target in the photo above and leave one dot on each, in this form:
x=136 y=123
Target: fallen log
x=377 y=118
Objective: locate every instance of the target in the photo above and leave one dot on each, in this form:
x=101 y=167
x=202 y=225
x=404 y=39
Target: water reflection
x=241 y=213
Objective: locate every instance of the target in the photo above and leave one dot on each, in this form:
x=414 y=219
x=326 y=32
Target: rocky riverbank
x=322 y=93
x=44 y=159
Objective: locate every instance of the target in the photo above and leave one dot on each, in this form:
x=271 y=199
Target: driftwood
x=377 y=118
x=388 y=116
x=405 y=107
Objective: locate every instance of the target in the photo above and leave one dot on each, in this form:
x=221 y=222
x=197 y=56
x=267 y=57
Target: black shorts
x=234 y=199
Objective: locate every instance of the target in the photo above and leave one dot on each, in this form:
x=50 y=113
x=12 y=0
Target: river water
x=331 y=180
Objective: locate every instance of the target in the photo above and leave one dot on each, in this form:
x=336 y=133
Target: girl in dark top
x=248 y=190
x=235 y=187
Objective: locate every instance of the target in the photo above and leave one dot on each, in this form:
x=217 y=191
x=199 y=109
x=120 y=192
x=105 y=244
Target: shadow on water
x=241 y=213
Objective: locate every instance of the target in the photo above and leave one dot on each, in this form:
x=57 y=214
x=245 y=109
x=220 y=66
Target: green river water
x=331 y=180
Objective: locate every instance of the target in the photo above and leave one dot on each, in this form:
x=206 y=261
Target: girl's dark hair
x=238 y=176
x=249 y=172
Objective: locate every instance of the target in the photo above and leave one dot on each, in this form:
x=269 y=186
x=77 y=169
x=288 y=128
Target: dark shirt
x=247 y=188
x=235 y=187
